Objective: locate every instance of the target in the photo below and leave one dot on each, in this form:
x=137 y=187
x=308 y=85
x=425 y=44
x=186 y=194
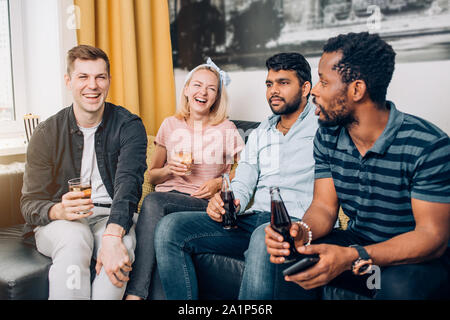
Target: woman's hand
x=176 y=167
x=208 y=189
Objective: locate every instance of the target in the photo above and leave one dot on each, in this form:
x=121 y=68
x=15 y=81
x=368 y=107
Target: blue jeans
x=182 y=234
x=263 y=280
x=258 y=269
x=155 y=206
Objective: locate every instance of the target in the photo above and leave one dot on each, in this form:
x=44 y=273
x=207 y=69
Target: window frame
x=13 y=128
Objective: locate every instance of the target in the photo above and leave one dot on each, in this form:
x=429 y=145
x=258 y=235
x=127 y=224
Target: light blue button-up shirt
x=273 y=159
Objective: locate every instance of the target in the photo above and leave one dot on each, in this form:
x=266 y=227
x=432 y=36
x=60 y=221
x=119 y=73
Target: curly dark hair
x=365 y=57
x=291 y=61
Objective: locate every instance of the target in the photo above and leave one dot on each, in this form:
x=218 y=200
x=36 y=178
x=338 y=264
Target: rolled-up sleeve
x=247 y=172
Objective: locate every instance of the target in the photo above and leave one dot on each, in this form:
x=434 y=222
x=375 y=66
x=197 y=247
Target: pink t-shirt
x=213 y=149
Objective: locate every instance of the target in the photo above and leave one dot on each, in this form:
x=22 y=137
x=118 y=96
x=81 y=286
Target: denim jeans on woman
x=155 y=206
x=182 y=234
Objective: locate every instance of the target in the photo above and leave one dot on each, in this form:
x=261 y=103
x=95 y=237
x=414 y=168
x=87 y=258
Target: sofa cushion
x=23 y=270
x=245 y=127
x=218 y=276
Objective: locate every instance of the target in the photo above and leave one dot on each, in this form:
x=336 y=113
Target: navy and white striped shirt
x=411 y=159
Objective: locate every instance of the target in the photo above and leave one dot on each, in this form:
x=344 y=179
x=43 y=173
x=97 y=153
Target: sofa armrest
x=11 y=180
x=147 y=187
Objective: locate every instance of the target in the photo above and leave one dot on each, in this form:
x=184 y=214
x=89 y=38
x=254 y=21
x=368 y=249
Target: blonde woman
x=210 y=144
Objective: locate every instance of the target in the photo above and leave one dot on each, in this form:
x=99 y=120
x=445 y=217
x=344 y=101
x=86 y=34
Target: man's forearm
x=129 y=176
x=244 y=182
x=320 y=219
x=36 y=212
x=411 y=247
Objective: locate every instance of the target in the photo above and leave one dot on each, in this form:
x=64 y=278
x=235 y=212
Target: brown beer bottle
x=281 y=222
x=229 y=219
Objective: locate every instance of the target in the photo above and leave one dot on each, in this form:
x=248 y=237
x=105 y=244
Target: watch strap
x=361 y=251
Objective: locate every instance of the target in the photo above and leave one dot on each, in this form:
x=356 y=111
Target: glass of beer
x=185 y=157
x=81 y=185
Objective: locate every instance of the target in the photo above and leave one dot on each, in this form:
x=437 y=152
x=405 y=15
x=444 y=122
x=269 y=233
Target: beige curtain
x=136 y=36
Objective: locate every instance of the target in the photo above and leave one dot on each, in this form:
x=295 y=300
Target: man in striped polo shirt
x=390 y=173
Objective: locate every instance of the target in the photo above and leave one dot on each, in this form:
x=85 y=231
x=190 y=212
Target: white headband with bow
x=224 y=77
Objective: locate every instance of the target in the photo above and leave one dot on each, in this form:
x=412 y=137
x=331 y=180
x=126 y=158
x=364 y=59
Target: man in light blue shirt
x=271 y=158
x=278 y=153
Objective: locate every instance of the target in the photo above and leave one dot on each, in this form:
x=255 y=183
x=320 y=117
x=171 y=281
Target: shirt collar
x=390 y=132
x=384 y=140
x=273 y=119
x=73 y=121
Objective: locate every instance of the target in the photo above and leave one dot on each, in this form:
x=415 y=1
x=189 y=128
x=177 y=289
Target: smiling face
x=89 y=82
x=202 y=92
x=284 y=92
x=330 y=94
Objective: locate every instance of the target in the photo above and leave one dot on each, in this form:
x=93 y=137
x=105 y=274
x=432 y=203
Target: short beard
x=342 y=117
x=289 y=108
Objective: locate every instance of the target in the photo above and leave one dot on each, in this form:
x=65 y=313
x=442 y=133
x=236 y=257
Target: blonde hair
x=219 y=109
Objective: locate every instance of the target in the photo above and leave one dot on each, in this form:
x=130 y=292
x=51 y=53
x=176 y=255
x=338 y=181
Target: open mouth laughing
x=200 y=100
x=92 y=96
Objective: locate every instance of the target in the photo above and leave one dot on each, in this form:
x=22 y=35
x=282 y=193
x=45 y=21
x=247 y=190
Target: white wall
x=46 y=41
x=418 y=88
x=41 y=34
x=421 y=88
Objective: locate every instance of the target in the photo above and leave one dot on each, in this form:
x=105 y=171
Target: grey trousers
x=71 y=245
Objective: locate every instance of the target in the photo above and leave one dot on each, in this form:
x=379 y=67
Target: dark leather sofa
x=24 y=271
